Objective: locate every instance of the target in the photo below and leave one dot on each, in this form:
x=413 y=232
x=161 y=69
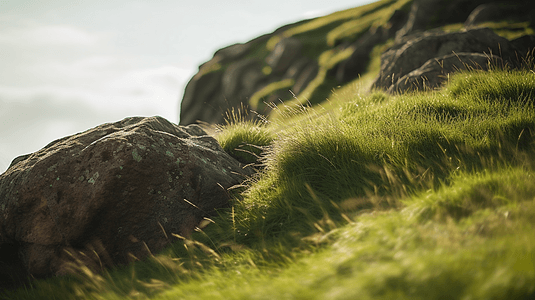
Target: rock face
x=415 y=51
x=284 y=53
x=292 y=57
x=428 y=14
x=109 y=194
x=435 y=71
x=513 y=11
x=231 y=77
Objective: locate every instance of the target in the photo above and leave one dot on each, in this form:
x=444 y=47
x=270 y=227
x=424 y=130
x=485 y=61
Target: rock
x=483 y=13
x=303 y=70
x=110 y=194
x=251 y=81
x=231 y=79
x=234 y=75
x=525 y=46
x=356 y=64
x=436 y=70
x=284 y=53
x=198 y=97
x=512 y=11
x=305 y=77
x=233 y=52
x=297 y=67
x=412 y=52
x=204 y=99
x=428 y=14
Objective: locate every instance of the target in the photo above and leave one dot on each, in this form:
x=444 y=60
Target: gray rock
x=283 y=55
x=513 y=11
x=412 y=52
x=305 y=77
x=198 y=97
x=234 y=75
x=297 y=67
x=429 y=14
x=251 y=80
x=356 y=64
x=233 y=52
x=525 y=46
x=483 y=13
x=436 y=71
x=110 y=194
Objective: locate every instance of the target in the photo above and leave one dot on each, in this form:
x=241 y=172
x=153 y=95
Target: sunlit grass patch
x=245 y=141
x=242 y=138
x=470 y=193
x=497 y=85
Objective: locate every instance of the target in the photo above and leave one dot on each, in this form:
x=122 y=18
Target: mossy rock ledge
x=308 y=59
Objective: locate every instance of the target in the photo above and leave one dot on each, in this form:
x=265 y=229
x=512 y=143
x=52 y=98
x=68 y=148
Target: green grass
x=428 y=195
x=242 y=138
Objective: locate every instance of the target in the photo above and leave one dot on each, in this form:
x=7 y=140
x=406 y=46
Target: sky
x=70 y=65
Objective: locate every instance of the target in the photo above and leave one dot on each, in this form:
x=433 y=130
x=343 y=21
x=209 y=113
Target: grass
x=427 y=195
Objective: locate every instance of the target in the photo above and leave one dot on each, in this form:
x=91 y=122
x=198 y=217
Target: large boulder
x=435 y=71
x=525 y=46
x=414 y=51
x=109 y=195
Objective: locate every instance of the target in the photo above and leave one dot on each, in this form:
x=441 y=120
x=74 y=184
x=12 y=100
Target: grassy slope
x=369 y=196
x=428 y=195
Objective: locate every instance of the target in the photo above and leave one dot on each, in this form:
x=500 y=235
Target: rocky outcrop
x=429 y=14
x=413 y=52
x=283 y=55
x=512 y=11
x=424 y=60
x=435 y=71
x=303 y=71
x=109 y=195
x=234 y=75
x=243 y=72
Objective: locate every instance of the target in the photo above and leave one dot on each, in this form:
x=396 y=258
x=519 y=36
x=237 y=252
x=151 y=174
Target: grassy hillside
x=429 y=195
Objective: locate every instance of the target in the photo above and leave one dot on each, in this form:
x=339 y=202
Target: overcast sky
x=69 y=65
